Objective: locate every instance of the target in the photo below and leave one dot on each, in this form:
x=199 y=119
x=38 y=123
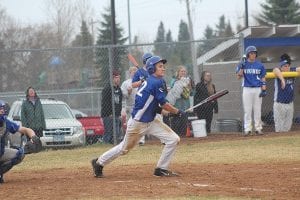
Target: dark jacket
x=32 y=115
x=201 y=93
x=106 y=105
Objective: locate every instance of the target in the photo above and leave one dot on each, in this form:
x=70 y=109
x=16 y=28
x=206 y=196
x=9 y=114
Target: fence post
x=110 y=57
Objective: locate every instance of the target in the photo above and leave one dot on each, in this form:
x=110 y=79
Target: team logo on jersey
x=252 y=71
x=161 y=89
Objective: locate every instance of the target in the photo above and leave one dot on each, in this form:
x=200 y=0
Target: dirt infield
x=263 y=181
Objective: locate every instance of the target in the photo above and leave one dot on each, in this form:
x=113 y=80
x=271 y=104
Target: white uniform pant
x=135 y=130
x=252 y=103
x=283 y=116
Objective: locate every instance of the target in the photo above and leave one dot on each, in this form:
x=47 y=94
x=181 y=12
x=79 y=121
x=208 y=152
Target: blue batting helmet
x=151 y=62
x=250 y=49
x=146 y=56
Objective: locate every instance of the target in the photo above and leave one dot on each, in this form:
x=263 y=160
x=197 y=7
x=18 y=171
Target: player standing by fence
x=283 y=107
x=254 y=88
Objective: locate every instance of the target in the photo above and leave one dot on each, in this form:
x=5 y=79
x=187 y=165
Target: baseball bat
x=209 y=99
x=132 y=60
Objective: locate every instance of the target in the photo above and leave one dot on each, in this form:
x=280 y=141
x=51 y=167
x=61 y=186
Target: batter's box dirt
x=265 y=181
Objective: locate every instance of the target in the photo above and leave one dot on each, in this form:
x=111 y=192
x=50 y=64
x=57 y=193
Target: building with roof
x=271 y=42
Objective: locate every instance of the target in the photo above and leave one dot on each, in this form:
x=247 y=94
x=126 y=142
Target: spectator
x=129 y=92
x=107 y=109
x=179 y=96
x=254 y=88
x=284 y=95
x=32 y=113
x=203 y=90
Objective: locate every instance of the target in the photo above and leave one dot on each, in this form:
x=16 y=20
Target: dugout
x=271 y=42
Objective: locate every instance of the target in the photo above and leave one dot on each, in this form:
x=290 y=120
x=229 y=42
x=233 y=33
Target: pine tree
x=83 y=60
x=228 y=30
x=159 y=48
x=208 y=42
x=220 y=32
x=170 y=45
x=102 y=54
x=183 y=50
x=279 y=12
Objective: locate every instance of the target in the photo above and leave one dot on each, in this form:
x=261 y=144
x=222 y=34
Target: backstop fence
x=77 y=76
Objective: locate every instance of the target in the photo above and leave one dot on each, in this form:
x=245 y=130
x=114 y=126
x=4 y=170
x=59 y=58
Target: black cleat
x=247 y=133
x=97 y=169
x=164 y=173
x=259 y=133
x=141 y=143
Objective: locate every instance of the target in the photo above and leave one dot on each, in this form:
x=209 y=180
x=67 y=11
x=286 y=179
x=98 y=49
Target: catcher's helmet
x=146 y=56
x=250 y=49
x=151 y=62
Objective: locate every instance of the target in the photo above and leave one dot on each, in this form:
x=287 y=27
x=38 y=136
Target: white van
x=62 y=128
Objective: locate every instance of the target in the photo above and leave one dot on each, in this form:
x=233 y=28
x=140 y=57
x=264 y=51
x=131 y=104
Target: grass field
x=257 y=150
x=231 y=168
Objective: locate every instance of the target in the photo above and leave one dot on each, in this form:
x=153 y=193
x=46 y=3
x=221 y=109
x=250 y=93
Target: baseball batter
x=149 y=97
x=283 y=107
x=254 y=88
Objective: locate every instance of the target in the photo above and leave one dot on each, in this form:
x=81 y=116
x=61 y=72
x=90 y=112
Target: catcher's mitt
x=33 y=146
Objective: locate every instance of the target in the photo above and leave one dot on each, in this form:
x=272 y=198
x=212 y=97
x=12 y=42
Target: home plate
x=255 y=189
x=200 y=185
x=123 y=181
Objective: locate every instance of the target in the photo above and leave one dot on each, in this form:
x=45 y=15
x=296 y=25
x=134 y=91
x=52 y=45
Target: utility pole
x=246 y=14
x=192 y=44
x=129 y=28
x=113 y=22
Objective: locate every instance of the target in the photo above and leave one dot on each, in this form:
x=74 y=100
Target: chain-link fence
x=78 y=77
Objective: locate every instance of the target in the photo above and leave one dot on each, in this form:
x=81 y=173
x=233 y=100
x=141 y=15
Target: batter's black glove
x=181 y=113
x=33 y=146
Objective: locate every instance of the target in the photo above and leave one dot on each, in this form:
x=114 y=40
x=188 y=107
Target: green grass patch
x=256 y=150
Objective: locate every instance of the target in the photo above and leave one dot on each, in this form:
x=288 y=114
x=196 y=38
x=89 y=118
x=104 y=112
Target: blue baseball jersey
x=253 y=73
x=149 y=97
x=285 y=95
x=11 y=127
x=140 y=74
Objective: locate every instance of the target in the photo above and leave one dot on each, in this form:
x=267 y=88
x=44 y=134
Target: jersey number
x=139 y=92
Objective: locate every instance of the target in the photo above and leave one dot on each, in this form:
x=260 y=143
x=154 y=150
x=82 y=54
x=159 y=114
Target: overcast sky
x=147 y=14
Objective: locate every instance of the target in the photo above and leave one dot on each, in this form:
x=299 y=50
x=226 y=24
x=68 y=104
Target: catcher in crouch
x=149 y=97
x=13 y=156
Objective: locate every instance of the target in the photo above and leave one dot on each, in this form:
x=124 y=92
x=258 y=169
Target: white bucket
x=199 y=128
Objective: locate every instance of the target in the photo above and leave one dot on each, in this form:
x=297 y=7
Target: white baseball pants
x=252 y=102
x=283 y=116
x=135 y=130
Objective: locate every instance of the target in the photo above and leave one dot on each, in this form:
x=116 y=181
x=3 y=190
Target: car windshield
x=57 y=111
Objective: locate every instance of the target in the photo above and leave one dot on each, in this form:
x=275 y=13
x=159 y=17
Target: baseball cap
x=284 y=62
